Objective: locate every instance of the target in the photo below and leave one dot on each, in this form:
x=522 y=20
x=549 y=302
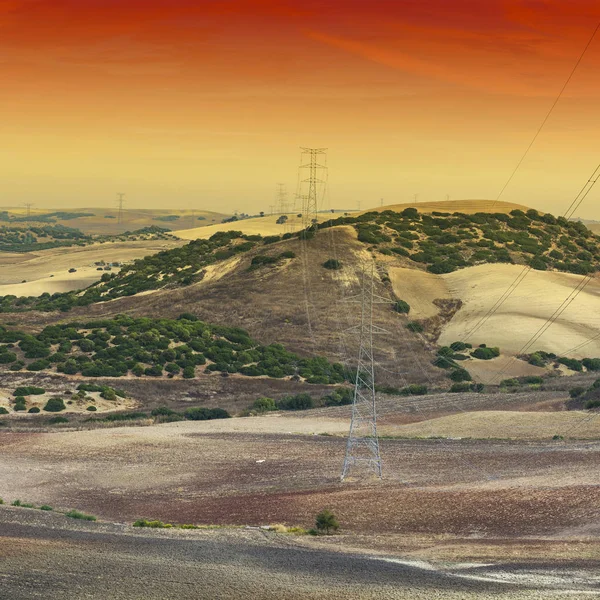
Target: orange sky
x=205 y=103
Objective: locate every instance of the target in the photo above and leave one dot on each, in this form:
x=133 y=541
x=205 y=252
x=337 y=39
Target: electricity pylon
x=362 y=447
x=120 y=202
x=282 y=203
x=309 y=186
x=28 y=206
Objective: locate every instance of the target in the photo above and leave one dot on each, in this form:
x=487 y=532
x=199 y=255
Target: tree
x=326 y=522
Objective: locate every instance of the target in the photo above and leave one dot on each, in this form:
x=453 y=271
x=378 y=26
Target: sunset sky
x=205 y=103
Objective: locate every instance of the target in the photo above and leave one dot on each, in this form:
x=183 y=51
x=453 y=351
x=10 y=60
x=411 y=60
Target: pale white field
x=35 y=268
x=266 y=225
x=419 y=289
x=463 y=206
x=526 y=310
x=522 y=314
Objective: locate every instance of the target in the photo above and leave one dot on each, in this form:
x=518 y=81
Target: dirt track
x=47 y=556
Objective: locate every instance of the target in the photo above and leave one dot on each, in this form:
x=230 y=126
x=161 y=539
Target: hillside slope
x=296 y=302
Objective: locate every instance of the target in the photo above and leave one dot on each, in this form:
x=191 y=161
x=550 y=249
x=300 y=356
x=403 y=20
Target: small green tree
x=326 y=522
x=401 y=307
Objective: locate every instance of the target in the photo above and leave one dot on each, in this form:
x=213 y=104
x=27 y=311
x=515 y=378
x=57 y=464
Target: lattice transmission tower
x=311 y=186
x=362 y=447
x=120 y=203
x=28 y=206
x=282 y=199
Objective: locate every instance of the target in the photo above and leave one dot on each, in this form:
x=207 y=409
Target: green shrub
x=532 y=379
x=264 y=405
x=55 y=405
x=29 y=390
x=154 y=524
x=460 y=375
x=401 y=307
x=297 y=402
x=326 y=522
x=415 y=327
x=75 y=514
x=571 y=363
x=459 y=346
x=19 y=404
x=577 y=391
x=510 y=383
x=108 y=394
x=205 y=414
x=46 y=507
x=189 y=372
x=460 y=387
x=3 y=411
x=91 y=408
x=414 y=390
x=485 y=353
x=58 y=420
x=34 y=410
x=332 y=263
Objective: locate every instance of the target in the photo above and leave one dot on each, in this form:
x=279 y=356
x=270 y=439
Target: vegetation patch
x=445 y=242
x=146 y=347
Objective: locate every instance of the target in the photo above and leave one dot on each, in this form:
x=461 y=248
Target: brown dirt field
x=188 y=472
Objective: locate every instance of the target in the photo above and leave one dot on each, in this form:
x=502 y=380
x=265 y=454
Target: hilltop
x=468 y=207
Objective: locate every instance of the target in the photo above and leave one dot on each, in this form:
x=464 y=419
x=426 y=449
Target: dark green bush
x=55 y=405
x=58 y=420
x=485 y=353
x=577 y=391
x=297 y=402
x=460 y=375
x=29 y=390
x=205 y=414
x=401 y=307
x=332 y=263
x=415 y=326
x=414 y=390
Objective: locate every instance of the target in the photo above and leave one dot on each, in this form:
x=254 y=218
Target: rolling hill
x=449 y=267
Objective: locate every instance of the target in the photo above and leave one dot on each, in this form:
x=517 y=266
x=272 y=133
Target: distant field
x=464 y=206
x=266 y=225
x=36 y=267
x=105 y=220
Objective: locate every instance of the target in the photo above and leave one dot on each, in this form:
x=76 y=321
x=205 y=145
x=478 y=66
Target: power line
x=547 y=115
x=575 y=204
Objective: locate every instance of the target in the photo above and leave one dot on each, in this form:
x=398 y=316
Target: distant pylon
x=120 y=202
x=362 y=447
x=28 y=206
x=309 y=186
x=282 y=199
